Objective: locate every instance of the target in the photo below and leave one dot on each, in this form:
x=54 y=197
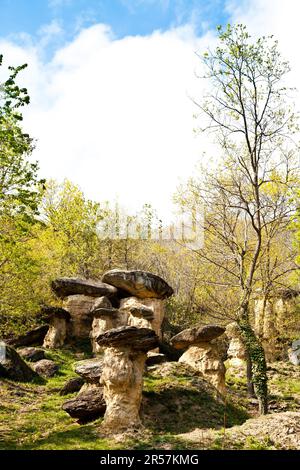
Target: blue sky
x=126 y=17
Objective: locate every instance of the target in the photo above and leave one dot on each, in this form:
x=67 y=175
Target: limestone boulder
x=32 y=354
x=192 y=336
x=90 y=369
x=64 y=286
x=294 y=353
x=13 y=367
x=46 y=368
x=140 y=284
x=72 y=385
x=87 y=406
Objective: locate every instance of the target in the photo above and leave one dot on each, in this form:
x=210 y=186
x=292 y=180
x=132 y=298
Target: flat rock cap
x=141 y=284
x=104 y=312
x=55 y=312
x=138 y=339
x=196 y=335
x=65 y=286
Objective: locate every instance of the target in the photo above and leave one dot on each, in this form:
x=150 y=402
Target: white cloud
x=113 y=115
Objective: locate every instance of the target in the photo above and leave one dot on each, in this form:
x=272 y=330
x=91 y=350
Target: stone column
x=58 y=319
x=203 y=353
x=122 y=375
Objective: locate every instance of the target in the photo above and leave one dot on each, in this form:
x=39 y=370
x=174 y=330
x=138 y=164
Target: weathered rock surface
x=63 y=287
x=294 y=353
x=192 y=336
x=57 y=332
x=236 y=351
x=90 y=369
x=138 y=283
x=155 y=358
x=122 y=375
x=13 y=367
x=32 y=354
x=46 y=368
x=206 y=358
x=79 y=308
x=144 y=313
x=87 y=406
x=32 y=337
x=72 y=385
x=137 y=339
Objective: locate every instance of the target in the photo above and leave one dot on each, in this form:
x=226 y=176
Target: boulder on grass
x=32 y=337
x=72 y=385
x=87 y=406
x=46 y=368
x=13 y=367
x=32 y=354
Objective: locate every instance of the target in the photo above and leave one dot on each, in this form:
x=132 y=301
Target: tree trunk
x=250 y=386
x=256 y=355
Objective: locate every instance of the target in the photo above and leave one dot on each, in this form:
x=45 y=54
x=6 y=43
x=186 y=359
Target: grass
x=174 y=404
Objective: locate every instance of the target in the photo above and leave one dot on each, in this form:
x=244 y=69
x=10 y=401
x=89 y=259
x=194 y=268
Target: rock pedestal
x=203 y=353
x=122 y=375
x=58 y=319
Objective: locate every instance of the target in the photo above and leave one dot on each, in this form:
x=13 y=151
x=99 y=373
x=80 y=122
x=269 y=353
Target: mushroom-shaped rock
x=144 y=313
x=57 y=332
x=191 y=336
x=122 y=375
x=138 y=283
x=104 y=319
x=65 y=286
x=204 y=352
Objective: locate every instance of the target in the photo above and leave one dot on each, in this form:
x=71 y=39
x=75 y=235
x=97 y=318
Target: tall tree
x=247 y=197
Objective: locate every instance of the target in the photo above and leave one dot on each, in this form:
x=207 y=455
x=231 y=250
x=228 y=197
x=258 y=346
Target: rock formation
x=32 y=354
x=13 y=367
x=140 y=284
x=203 y=352
x=122 y=375
x=236 y=351
x=32 y=337
x=58 y=319
x=294 y=353
x=65 y=286
x=87 y=406
x=46 y=368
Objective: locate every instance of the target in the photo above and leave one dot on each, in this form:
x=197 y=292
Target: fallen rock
x=46 y=368
x=32 y=337
x=87 y=406
x=64 y=286
x=90 y=369
x=32 y=354
x=72 y=385
x=141 y=284
x=191 y=336
x=13 y=367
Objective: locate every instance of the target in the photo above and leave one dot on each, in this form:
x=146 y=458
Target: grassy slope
x=31 y=415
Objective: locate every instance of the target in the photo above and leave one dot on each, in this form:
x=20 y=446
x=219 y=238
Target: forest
x=235 y=297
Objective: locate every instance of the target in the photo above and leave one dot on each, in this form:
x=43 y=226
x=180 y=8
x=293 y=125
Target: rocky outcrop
x=58 y=319
x=46 y=368
x=140 y=284
x=32 y=337
x=72 y=385
x=65 y=286
x=236 y=352
x=32 y=354
x=203 y=352
x=13 y=367
x=294 y=353
x=122 y=375
x=87 y=406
